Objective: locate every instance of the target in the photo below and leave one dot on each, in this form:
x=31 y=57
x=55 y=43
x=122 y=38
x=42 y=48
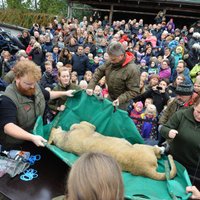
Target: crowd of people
x=150 y=70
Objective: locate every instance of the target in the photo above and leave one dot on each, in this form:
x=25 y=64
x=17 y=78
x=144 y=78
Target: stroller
x=9 y=43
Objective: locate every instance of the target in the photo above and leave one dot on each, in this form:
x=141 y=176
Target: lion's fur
x=138 y=159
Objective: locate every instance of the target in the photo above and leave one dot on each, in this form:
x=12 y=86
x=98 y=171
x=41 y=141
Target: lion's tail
x=173 y=170
x=162 y=176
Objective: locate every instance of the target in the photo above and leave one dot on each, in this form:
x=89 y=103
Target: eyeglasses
x=29 y=84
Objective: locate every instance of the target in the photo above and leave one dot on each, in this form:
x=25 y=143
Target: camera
x=159 y=88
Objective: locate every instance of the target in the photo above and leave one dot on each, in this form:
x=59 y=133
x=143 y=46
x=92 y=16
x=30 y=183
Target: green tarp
x=117 y=124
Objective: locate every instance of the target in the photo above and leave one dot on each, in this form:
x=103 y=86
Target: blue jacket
x=80 y=63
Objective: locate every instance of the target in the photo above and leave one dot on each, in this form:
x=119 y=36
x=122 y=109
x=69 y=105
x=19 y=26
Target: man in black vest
x=21 y=104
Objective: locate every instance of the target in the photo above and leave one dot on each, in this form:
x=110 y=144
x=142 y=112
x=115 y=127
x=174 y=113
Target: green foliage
x=24 y=19
x=18 y=4
x=57 y=7
x=79 y=14
x=26 y=12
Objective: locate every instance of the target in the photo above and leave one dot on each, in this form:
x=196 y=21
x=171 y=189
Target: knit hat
x=139 y=103
x=100 y=50
x=143 y=61
x=184 y=89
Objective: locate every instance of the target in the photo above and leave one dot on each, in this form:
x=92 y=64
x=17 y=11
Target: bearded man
x=21 y=104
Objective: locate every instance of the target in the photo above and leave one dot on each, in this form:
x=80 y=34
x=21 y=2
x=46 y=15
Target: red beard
x=26 y=92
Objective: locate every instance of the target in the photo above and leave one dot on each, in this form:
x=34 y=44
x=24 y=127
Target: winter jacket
x=177 y=57
x=186 y=74
x=175 y=106
x=165 y=73
x=47 y=80
x=54 y=103
x=194 y=71
x=47 y=47
x=38 y=56
x=185 y=146
x=122 y=79
x=159 y=99
x=80 y=63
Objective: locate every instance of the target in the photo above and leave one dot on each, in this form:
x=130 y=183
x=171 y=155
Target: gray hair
x=115 y=49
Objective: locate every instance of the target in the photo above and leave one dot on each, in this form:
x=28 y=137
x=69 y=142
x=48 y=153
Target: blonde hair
x=151 y=108
x=95 y=176
x=62 y=69
x=27 y=67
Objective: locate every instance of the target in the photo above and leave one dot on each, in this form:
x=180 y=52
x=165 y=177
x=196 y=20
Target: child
x=105 y=58
x=147 y=102
x=98 y=91
x=149 y=128
x=103 y=85
x=83 y=84
x=59 y=64
x=55 y=70
x=95 y=64
x=153 y=68
x=91 y=61
x=144 y=77
x=74 y=78
x=143 y=66
x=88 y=76
x=136 y=112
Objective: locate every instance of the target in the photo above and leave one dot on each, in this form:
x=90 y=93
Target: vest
x=27 y=110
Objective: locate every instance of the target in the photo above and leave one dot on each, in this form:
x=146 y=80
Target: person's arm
x=169 y=130
x=132 y=85
x=142 y=97
x=165 y=115
x=195 y=192
x=57 y=94
x=15 y=131
x=99 y=73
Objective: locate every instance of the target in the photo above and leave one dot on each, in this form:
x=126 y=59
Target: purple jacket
x=165 y=73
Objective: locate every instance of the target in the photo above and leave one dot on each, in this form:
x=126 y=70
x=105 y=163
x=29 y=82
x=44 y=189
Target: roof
x=175 y=8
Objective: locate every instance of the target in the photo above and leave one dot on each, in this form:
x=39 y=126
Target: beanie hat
x=100 y=50
x=143 y=61
x=184 y=89
x=139 y=103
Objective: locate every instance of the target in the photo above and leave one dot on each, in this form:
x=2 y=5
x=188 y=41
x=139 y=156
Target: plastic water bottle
x=17 y=155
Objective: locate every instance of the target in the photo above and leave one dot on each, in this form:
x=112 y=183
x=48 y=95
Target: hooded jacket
x=122 y=79
x=185 y=146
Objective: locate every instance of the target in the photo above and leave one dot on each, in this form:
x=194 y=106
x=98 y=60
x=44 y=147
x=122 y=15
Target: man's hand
x=69 y=93
x=115 y=102
x=89 y=92
x=194 y=191
x=173 y=133
x=38 y=140
x=61 y=108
